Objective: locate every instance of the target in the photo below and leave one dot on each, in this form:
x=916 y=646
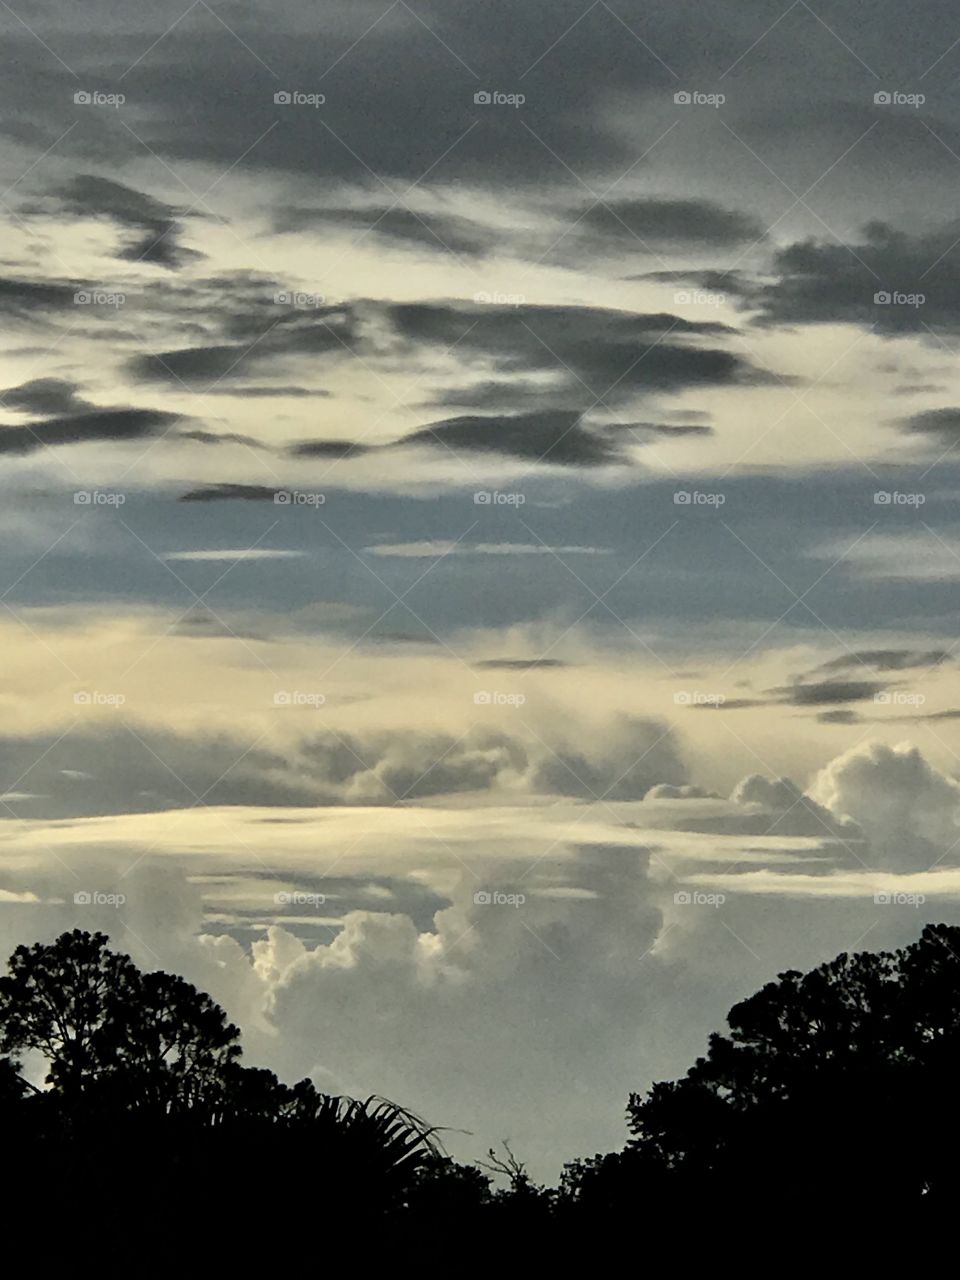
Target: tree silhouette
x=105 y=1027
x=144 y=1075
x=840 y=1078
x=835 y=1086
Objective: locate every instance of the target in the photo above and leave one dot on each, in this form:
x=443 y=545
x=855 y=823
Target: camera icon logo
x=281 y=698
x=482 y=698
x=82 y=497
x=82 y=898
x=682 y=898
x=281 y=498
x=482 y=898
x=82 y=98
x=482 y=98
x=882 y=298
x=682 y=98
x=881 y=899
x=81 y=298
x=882 y=98
x=282 y=298
x=82 y=699
x=881 y=498
x=482 y=498
x=681 y=498
x=282 y=98
x=883 y=699
x=682 y=698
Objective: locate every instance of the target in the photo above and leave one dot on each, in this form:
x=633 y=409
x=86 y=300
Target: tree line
x=834 y=1086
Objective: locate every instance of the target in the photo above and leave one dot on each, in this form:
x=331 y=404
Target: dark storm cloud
x=506 y=395
x=394 y=125
x=943 y=423
x=570 y=60
x=673 y=223
x=45 y=396
x=287 y=332
x=434 y=321
x=663 y=429
x=593 y=352
x=828 y=691
x=328 y=449
x=200 y=436
x=224 y=492
x=516 y=394
x=712 y=279
x=598 y=350
x=557 y=436
x=102 y=424
x=265 y=393
x=818 y=693
x=799 y=76
x=154 y=227
x=842 y=715
x=597 y=229
x=188 y=364
x=891 y=280
x=25 y=298
x=232 y=306
x=886 y=659
x=553 y=436
x=403 y=637
x=443 y=232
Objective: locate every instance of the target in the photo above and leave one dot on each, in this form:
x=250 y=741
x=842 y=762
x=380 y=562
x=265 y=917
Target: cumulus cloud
x=687 y=791
x=633 y=756
x=559 y=974
x=146 y=768
x=908 y=810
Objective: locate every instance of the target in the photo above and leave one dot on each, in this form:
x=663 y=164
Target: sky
x=480 y=550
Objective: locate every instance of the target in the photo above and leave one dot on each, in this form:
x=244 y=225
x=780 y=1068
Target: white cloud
x=424 y=550
x=516 y=962
x=908 y=810
x=240 y=553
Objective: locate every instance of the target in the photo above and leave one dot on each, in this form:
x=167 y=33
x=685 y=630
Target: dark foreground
x=150 y=1147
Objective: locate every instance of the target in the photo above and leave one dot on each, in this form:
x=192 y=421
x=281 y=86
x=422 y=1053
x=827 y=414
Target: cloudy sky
x=479 y=487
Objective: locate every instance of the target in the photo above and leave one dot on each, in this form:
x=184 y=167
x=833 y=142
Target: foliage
x=836 y=1083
